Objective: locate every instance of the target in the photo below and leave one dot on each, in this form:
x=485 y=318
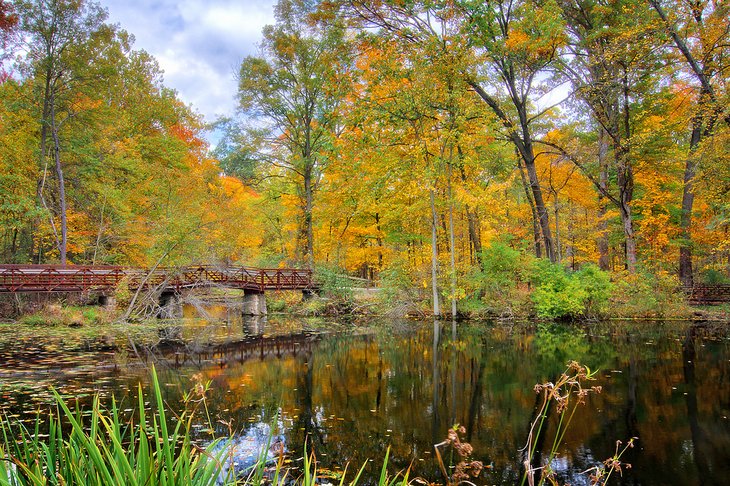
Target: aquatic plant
x=567 y=393
x=100 y=448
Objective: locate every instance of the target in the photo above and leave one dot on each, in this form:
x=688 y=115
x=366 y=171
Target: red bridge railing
x=102 y=278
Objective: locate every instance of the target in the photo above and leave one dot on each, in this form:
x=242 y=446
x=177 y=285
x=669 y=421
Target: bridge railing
x=49 y=278
x=78 y=278
x=708 y=294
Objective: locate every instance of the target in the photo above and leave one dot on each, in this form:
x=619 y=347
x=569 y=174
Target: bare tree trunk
x=528 y=195
x=540 y=208
x=475 y=237
x=602 y=239
x=625 y=179
x=61 y=185
x=434 y=256
x=452 y=247
x=685 y=249
x=308 y=205
x=558 y=255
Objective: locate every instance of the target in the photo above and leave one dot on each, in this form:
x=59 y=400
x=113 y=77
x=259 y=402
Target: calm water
x=353 y=390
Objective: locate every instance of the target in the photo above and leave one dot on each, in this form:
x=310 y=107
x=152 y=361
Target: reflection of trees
x=404 y=386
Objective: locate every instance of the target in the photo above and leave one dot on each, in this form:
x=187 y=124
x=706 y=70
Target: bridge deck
x=101 y=278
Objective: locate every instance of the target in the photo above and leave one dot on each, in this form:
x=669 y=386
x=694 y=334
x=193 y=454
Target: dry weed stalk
x=465 y=469
x=566 y=394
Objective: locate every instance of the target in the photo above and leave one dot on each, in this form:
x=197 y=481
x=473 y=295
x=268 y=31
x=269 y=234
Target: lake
x=353 y=390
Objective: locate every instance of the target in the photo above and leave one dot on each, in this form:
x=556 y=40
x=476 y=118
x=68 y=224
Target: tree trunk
x=556 y=210
x=308 y=205
x=535 y=225
x=542 y=212
x=452 y=248
x=625 y=178
x=602 y=240
x=475 y=237
x=434 y=256
x=474 y=234
x=685 y=249
x=61 y=186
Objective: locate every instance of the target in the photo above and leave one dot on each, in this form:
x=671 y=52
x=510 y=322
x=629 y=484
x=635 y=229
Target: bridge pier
x=170 y=305
x=309 y=294
x=254 y=303
x=107 y=301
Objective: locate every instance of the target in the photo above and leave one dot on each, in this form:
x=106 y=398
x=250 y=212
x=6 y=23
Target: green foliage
x=334 y=282
x=104 y=449
x=559 y=294
x=397 y=284
x=646 y=294
x=712 y=276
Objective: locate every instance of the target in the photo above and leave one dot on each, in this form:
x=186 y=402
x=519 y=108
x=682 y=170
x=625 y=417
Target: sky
x=198 y=43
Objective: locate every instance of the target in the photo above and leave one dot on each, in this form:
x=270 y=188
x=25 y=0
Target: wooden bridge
x=708 y=294
x=104 y=279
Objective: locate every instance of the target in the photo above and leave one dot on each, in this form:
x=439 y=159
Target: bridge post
x=170 y=305
x=254 y=303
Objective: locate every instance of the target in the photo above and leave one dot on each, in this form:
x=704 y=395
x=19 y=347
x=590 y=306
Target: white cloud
x=199 y=44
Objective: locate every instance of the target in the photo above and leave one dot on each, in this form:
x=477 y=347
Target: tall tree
x=505 y=47
x=610 y=61
x=699 y=31
x=296 y=90
x=63 y=38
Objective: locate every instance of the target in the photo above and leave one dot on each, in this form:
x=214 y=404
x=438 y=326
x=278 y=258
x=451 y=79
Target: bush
x=334 y=282
x=645 y=294
x=559 y=294
x=497 y=288
x=397 y=285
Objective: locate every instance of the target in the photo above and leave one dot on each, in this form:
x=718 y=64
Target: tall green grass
x=99 y=448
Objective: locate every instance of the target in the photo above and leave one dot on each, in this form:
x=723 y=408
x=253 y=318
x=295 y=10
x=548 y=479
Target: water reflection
x=352 y=393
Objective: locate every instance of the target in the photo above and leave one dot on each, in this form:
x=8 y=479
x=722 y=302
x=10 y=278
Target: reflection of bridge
x=104 y=279
x=252 y=348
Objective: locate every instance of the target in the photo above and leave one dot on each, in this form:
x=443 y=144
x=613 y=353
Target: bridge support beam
x=254 y=303
x=170 y=305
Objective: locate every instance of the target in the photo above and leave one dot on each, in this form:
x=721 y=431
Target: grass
x=102 y=449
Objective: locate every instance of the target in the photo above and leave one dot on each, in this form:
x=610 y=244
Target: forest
x=454 y=148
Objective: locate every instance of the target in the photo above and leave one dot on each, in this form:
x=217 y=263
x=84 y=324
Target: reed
x=99 y=448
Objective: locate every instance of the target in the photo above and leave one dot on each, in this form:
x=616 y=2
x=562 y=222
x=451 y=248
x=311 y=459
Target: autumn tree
x=8 y=22
x=507 y=45
x=64 y=40
x=611 y=64
x=295 y=91
x=699 y=32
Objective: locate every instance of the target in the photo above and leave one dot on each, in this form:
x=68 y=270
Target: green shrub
x=645 y=294
x=397 y=285
x=498 y=287
x=559 y=294
x=334 y=282
x=713 y=276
